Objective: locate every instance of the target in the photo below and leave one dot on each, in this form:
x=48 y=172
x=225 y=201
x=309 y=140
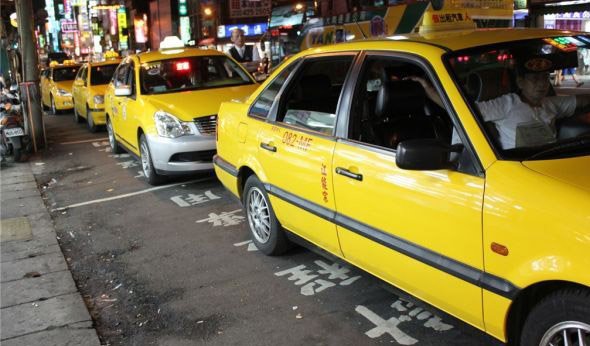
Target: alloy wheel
x=145 y=159
x=258 y=215
x=569 y=333
x=111 y=135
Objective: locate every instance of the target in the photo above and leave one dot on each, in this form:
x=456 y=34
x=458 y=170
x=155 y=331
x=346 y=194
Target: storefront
x=253 y=33
x=567 y=15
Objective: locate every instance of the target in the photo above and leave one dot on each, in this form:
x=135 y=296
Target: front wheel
x=266 y=231
x=91 y=125
x=562 y=318
x=53 y=107
x=115 y=148
x=147 y=164
x=76 y=115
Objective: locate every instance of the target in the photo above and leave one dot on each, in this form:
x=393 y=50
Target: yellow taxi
x=88 y=92
x=421 y=159
x=162 y=106
x=56 y=86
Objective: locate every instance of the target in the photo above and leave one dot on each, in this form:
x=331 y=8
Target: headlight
x=99 y=99
x=169 y=126
x=62 y=92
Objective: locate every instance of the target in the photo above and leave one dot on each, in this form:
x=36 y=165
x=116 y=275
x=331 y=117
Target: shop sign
x=573 y=15
x=249 y=29
x=68 y=25
x=141 y=29
x=122 y=22
x=246 y=8
x=185 y=29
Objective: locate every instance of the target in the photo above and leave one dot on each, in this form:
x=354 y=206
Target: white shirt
x=255 y=55
x=532 y=125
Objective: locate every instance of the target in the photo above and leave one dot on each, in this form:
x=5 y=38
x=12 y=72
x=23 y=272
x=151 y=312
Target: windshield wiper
x=561 y=148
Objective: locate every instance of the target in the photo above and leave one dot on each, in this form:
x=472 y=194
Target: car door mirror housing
x=423 y=154
x=123 y=90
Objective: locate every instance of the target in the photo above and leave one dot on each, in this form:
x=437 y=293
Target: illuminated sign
x=566 y=44
x=249 y=29
x=122 y=22
x=141 y=29
x=185 y=29
x=182 y=9
x=68 y=25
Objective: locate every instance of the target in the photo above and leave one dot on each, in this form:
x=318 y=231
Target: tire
x=147 y=164
x=115 y=147
x=53 y=109
x=565 y=311
x=77 y=118
x=91 y=125
x=265 y=230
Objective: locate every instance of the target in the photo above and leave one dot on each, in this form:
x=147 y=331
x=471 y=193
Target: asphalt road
x=173 y=265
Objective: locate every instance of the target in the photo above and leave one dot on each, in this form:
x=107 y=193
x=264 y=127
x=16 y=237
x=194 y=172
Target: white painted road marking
x=86 y=141
x=386 y=326
x=251 y=246
x=128 y=194
x=309 y=281
x=224 y=219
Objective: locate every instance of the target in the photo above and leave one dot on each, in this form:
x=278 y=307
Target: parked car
x=162 y=106
x=342 y=148
x=88 y=92
x=56 y=86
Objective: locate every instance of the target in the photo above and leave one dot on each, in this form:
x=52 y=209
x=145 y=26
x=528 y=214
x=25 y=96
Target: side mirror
x=123 y=90
x=423 y=154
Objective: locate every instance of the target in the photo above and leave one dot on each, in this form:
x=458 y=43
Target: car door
x=295 y=149
x=46 y=86
x=420 y=230
x=83 y=91
x=118 y=103
x=130 y=109
x=76 y=90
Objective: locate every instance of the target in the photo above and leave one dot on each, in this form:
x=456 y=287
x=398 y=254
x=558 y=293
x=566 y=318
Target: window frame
x=429 y=71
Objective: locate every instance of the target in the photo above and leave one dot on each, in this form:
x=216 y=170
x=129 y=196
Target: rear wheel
x=91 y=125
x=115 y=148
x=266 y=231
x=77 y=118
x=53 y=108
x=562 y=318
x=147 y=164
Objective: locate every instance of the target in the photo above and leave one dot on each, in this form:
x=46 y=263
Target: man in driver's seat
x=528 y=118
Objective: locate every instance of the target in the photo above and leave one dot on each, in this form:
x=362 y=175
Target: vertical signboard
x=122 y=22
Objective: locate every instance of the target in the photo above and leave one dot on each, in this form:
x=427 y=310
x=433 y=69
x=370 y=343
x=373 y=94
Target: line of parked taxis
x=342 y=148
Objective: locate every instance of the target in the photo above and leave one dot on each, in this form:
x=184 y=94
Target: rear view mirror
x=423 y=154
x=123 y=90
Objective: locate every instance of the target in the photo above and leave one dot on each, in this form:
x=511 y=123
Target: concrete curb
x=40 y=304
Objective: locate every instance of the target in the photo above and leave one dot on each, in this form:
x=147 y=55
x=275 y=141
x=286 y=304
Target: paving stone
x=32 y=289
x=13 y=229
x=22 y=207
x=34 y=317
x=19 y=187
x=6 y=195
x=43 y=264
x=18 y=178
x=57 y=337
x=13 y=251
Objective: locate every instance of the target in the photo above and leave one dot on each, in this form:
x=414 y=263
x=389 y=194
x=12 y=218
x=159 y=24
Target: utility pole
x=29 y=89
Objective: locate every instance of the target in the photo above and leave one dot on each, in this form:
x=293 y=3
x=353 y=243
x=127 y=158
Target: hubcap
x=258 y=215
x=569 y=333
x=145 y=159
x=53 y=106
x=111 y=135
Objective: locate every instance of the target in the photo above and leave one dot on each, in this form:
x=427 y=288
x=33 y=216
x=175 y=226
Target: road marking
x=86 y=141
x=128 y=194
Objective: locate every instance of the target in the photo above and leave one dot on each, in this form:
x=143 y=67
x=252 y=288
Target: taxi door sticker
x=294 y=140
x=324 y=182
x=124 y=111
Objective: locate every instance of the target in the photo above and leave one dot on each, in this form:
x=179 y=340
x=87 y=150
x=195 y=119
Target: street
x=173 y=264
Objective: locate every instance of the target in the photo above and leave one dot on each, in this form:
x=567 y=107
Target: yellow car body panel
x=448 y=218
x=83 y=93
x=49 y=90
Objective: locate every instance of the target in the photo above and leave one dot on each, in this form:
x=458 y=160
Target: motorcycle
x=13 y=140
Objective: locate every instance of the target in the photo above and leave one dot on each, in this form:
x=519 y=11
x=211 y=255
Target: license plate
x=13 y=132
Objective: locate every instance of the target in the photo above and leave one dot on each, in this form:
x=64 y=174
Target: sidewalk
x=40 y=304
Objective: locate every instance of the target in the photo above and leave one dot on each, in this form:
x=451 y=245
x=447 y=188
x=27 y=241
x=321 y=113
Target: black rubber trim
x=226 y=166
x=448 y=265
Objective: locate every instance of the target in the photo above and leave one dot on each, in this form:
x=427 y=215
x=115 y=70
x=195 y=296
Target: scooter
x=13 y=140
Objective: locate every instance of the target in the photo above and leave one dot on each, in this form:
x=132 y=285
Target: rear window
x=191 y=73
x=66 y=73
x=102 y=74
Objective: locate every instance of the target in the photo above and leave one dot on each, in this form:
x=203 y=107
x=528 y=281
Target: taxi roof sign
x=446 y=20
x=171 y=42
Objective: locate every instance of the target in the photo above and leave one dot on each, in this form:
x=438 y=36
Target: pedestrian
x=571 y=72
x=247 y=55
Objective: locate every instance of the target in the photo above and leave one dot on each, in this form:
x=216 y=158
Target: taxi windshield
x=66 y=73
x=191 y=73
x=102 y=74
x=513 y=89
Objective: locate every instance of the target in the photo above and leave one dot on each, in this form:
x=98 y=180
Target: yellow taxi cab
x=162 y=106
x=88 y=92
x=56 y=86
x=381 y=153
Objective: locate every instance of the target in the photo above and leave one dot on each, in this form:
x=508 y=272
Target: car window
x=101 y=74
x=129 y=78
x=191 y=73
x=120 y=76
x=263 y=103
x=65 y=73
x=81 y=73
x=84 y=75
x=311 y=98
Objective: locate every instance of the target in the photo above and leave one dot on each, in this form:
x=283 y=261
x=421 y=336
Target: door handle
x=268 y=147
x=345 y=172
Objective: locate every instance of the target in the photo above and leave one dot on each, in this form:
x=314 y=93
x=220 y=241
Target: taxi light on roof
x=171 y=42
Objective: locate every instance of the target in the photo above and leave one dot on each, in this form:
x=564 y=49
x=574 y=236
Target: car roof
x=106 y=62
x=176 y=53
x=450 y=40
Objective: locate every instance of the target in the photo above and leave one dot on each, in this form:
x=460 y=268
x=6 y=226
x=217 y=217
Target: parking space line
x=100 y=200
x=87 y=141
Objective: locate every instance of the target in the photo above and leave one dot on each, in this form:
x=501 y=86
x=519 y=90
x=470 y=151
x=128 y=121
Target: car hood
x=573 y=171
x=99 y=89
x=188 y=105
x=66 y=85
